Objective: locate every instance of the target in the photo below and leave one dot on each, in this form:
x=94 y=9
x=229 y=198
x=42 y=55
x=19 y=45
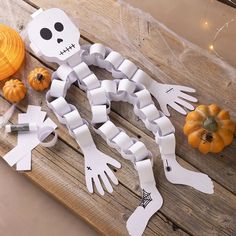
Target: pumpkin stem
x=210 y=124
x=39 y=77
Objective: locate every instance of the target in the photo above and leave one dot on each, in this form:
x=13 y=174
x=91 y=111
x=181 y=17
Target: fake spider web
x=146 y=199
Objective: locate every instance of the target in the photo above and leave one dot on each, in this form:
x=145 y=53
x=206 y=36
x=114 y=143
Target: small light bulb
x=211 y=47
x=205 y=23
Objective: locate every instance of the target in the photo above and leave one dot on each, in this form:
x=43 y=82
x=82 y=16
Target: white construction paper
x=21 y=154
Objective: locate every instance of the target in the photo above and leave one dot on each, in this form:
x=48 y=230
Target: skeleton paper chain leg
x=174 y=172
x=136 y=152
x=163 y=130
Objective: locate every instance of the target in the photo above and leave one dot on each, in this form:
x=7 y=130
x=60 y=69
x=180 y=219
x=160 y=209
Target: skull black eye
x=46 y=33
x=59 y=26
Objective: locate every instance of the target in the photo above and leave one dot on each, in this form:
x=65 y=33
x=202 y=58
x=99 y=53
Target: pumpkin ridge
x=194 y=138
x=226 y=135
x=190 y=129
x=201 y=113
x=223 y=115
x=204 y=146
x=218 y=144
x=228 y=124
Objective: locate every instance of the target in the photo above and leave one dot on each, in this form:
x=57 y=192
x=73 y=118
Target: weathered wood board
x=60 y=170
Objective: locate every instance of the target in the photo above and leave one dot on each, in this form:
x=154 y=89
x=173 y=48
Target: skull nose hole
x=59 y=40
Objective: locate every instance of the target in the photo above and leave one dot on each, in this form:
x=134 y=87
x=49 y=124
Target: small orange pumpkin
x=14 y=90
x=12 y=51
x=39 y=79
x=209 y=128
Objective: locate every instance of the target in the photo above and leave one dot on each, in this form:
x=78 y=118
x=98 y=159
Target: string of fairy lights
x=224 y=26
x=219 y=30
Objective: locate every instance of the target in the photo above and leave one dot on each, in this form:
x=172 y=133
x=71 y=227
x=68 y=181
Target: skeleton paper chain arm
x=120 y=67
x=96 y=162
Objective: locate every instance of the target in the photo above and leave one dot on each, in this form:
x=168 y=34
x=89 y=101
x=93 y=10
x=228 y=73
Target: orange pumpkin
x=209 y=128
x=39 y=79
x=12 y=51
x=14 y=90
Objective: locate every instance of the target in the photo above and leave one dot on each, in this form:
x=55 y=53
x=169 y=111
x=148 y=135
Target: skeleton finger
x=106 y=182
x=113 y=162
x=184 y=103
x=178 y=108
x=187 y=97
x=98 y=185
x=111 y=175
x=185 y=89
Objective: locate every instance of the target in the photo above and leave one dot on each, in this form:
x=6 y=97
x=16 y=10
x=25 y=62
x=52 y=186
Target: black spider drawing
x=146 y=199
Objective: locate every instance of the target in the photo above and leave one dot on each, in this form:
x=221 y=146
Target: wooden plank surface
x=60 y=170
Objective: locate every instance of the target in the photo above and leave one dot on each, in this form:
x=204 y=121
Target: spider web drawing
x=146 y=199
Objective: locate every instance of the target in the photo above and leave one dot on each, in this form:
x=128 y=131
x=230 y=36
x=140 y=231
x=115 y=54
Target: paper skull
x=53 y=35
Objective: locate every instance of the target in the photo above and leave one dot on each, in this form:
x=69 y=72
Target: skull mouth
x=67 y=49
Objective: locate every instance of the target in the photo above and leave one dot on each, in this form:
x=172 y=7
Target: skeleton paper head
x=53 y=36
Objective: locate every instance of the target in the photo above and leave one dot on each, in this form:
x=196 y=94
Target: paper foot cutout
x=177 y=174
x=150 y=204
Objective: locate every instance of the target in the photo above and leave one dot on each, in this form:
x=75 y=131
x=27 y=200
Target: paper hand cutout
x=173 y=96
x=97 y=170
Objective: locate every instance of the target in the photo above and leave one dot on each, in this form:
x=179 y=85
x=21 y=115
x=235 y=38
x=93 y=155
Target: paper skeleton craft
x=56 y=39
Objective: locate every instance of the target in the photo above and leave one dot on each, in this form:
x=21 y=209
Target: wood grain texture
x=60 y=170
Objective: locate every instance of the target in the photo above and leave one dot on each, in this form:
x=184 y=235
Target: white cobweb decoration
x=175 y=51
x=176 y=58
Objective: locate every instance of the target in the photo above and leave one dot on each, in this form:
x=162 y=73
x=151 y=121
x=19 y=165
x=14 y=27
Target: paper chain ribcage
x=130 y=89
x=100 y=95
